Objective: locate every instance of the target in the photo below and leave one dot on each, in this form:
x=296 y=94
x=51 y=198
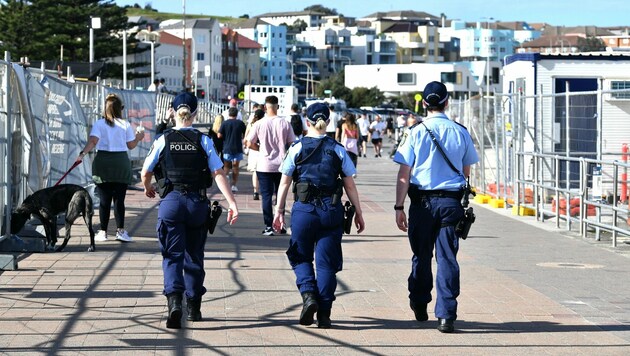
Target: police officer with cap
x=319 y=167
x=185 y=161
x=435 y=190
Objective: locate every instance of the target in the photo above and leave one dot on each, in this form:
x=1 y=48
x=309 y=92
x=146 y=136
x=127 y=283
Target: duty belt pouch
x=164 y=187
x=302 y=192
x=214 y=212
x=463 y=226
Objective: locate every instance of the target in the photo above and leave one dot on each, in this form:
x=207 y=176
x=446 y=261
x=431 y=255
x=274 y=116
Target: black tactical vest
x=183 y=162
x=318 y=163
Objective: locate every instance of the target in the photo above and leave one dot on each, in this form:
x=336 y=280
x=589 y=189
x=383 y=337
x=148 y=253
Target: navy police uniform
x=183 y=160
x=435 y=191
x=316 y=164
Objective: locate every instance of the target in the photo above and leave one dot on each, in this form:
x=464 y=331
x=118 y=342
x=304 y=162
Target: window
x=620 y=85
x=200 y=56
x=406 y=78
x=431 y=38
x=431 y=52
x=451 y=77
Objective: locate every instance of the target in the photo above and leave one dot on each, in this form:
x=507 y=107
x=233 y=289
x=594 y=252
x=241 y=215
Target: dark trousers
x=107 y=192
x=431 y=223
x=182 y=237
x=316 y=229
x=268 y=183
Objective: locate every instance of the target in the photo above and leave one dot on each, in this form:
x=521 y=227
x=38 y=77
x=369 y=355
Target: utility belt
x=184 y=188
x=306 y=192
x=165 y=186
x=416 y=194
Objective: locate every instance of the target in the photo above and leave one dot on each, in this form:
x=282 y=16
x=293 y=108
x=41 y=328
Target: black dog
x=47 y=203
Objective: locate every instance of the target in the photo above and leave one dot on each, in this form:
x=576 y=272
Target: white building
x=204 y=50
x=403 y=78
x=310 y=18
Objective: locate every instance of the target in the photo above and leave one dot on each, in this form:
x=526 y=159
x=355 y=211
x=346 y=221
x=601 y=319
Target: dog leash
x=69 y=170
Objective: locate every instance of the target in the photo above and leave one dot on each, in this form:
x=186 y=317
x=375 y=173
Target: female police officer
x=186 y=162
x=315 y=163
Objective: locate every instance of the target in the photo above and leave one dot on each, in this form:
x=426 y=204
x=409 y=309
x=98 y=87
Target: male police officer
x=186 y=161
x=435 y=190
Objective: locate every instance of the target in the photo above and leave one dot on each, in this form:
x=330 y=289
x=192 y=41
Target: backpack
x=296 y=124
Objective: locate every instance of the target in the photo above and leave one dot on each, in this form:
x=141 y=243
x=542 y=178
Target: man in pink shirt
x=271 y=137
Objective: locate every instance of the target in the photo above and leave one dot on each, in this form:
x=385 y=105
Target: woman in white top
x=111 y=169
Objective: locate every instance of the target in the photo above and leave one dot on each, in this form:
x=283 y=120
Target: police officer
x=320 y=167
x=185 y=162
x=435 y=190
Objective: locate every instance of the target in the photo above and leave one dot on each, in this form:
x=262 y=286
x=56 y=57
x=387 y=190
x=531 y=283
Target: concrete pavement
x=526 y=289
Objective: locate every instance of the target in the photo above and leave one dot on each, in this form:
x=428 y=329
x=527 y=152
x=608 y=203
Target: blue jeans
x=268 y=183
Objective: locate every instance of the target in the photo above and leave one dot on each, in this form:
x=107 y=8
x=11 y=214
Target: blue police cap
x=316 y=112
x=435 y=93
x=185 y=99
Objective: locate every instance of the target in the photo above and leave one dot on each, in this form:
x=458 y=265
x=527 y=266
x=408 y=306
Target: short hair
x=233 y=112
x=295 y=107
x=271 y=99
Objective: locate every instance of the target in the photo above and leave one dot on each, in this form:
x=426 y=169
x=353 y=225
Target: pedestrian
x=297 y=122
x=318 y=163
x=377 y=129
x=271 y=137
x=435 y=190
x=113 y=137
x=154 y=86
x=350 y=137
x=162 y=86
x=331 y=129
x=232 y=132
x=185 y=164
x=214 y=135
x=364 y=130
x=252 y=155
x=232 y=104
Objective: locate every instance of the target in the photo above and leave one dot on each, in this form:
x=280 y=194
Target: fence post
x=8 y=135
x=624 y=175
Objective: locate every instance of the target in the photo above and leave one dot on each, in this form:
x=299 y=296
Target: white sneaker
x=234 y=188
x=100 y=236
x=123 y=236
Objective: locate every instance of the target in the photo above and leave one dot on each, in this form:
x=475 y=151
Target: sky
x=555 y=12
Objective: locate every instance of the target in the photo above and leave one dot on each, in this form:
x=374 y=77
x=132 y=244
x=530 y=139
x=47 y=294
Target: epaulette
x=465 y=128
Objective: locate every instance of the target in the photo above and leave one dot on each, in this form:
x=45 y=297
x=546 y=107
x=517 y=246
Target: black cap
x=316 y=112
x=185 y=99
x=435 y=93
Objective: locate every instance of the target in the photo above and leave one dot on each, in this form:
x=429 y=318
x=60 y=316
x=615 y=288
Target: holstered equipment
x=214 y=212
x=348 y=215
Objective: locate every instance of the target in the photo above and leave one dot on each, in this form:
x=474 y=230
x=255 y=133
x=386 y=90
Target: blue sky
x=555 y=12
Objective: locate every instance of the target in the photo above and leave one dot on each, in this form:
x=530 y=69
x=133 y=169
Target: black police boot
x=174 y=320
x=446 y=325
x=194 y=309
x=309 y=308
x=419 y=310
x=323 y=319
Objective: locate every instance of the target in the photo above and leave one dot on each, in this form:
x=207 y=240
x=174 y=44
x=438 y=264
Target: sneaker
x=234 y=189
x=283 y=231
x=101 y=236
x=122 y=235
x=268 y=231
x=256 y=196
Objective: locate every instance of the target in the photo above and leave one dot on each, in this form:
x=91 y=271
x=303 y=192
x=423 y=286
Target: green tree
x=590 y=44
x=334 y=83
x=15 y=26
x=322 y=9
x=354 y=98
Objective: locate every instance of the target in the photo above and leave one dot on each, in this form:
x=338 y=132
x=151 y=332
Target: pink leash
x=69 y=170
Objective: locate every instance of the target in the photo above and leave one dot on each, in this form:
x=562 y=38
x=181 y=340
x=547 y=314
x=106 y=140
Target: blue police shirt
x=288 y=165
x=429 y=169
x=214 y=162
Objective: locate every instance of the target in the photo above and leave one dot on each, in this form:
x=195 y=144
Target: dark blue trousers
x=316 y=229
x=431 y=223
x=268 y=183
x=182 y=237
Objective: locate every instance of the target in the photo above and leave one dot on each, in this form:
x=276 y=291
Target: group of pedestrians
x=434 y=160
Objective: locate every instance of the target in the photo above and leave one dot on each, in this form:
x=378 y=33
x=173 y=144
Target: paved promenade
x=527 y=289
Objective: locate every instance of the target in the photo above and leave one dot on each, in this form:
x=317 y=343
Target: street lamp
x=309 y=77
x=95 y=24
x=488 y=49
x=146 y=36
x=346 y=57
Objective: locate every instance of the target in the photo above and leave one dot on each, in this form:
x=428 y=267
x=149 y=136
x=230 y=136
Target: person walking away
x=350 y=137
x=364 y=130
x=185 y=164
x=111 y=169
x=271 y=137
x=435 y=190
x=319 y=167
x=214 y=135
x=331 y=129
x=252 y=154
x=297 y=122
x=154 y=85
x=162 y=86
x=377 y=129
x=232 y=132
x=233 y=104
